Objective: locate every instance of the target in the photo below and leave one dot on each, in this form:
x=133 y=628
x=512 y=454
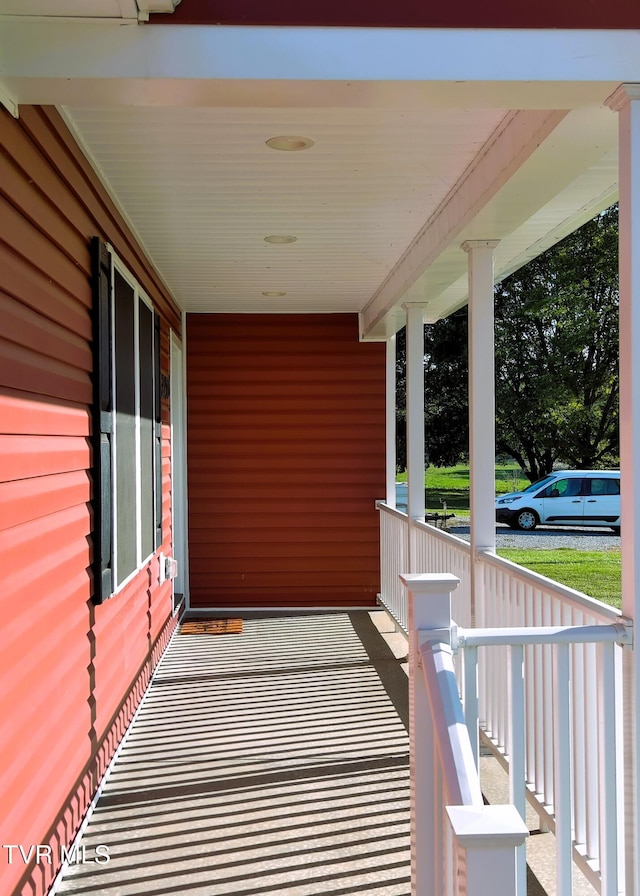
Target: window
x=562 y=488
x=127 y=441
x=605 y=486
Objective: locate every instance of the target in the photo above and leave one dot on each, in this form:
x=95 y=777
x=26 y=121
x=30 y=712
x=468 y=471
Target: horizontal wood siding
x=71 y=673
x=286 y=457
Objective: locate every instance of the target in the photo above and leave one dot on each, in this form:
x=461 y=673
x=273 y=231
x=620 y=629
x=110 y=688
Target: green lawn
x=450 y=485
x=596 y=573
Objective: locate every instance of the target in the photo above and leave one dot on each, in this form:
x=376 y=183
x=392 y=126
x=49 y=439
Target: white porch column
x=482 y=438
x=391 y=421
x=626 y=101
x=415 y=417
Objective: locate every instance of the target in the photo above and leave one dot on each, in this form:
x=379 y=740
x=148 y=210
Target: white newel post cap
x=429 y=599
x=487 y=827
x=490 y=837
x=430 y=583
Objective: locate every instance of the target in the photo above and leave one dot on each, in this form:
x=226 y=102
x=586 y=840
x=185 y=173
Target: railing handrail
x=443 y=535
x=422 y=524
x=614 y=633
x=393 y=511
x=462 y=784
x=577 y=598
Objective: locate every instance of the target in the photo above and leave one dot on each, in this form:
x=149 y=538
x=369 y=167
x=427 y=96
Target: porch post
x=490 y=836
x=391 y=421
x=429 y=610
x=626 y=101
x=482 y=439
x=415 y=417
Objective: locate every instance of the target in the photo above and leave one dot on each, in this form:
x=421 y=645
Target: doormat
x=211 y=627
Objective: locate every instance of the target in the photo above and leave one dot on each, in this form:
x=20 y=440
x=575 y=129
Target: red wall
x=409 y=13
x=286 y=458
x=71 y=673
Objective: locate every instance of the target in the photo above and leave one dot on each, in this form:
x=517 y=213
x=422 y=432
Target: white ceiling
x=401 y=173
x=354 y=200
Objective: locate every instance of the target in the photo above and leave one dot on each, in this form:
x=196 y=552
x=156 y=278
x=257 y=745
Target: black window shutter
x=102 y=423
x=158 y=430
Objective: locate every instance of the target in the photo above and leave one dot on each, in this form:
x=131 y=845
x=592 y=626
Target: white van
x=565 y=498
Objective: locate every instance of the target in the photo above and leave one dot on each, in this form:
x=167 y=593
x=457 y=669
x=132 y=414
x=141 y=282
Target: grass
x=450 y=485
x=596 y=573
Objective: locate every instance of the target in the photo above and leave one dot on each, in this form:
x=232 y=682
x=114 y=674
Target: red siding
x=286 y=445
x=71 y=673
x=408 y=13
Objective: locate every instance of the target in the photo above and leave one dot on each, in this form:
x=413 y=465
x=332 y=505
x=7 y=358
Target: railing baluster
x=470 y=700
x=609 y=819
x=579 y=738
x=539 y=695
x=591 y=758
x=517 y=793
x=562 y=784
x=547 y=709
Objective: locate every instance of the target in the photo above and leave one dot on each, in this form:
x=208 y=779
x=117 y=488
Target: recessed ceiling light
x=289 y=143
x=273 y=293
x=279 y=238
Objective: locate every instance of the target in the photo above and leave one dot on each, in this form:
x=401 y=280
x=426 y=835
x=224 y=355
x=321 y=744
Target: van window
x=604 y=486
x=562 y=488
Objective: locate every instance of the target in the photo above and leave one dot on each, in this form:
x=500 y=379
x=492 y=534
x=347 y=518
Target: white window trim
x=139 y=295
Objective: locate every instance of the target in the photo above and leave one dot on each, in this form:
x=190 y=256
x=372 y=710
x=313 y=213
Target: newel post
x=490 y=837
x=429 y=608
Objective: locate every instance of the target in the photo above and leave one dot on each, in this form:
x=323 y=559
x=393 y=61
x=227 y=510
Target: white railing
x=579 y=765
x=394 y=543
x=459 y=846
x=587 y=672
x=433 y=550
x=413 y=546
x=513 y=596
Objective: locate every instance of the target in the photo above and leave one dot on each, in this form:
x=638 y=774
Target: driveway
x=546 y=537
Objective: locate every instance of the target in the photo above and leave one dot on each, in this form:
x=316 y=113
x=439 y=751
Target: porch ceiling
x=412 y=155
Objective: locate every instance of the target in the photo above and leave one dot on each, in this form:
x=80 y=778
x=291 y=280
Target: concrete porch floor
x=272 y=761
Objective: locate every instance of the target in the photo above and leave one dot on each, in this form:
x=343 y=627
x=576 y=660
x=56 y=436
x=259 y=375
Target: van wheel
x=527 y=520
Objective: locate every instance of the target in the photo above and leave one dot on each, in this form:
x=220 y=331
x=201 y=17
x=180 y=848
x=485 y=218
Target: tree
x=556 y=361
x=557 y=354
x=445 y=381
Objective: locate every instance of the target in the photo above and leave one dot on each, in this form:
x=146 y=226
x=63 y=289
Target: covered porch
x=342 y=182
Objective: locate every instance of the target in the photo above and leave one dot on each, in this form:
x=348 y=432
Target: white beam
x=626 y=101
x=513 y=143
x=54 y=50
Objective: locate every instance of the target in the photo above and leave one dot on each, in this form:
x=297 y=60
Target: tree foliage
x=446 y=402
x=557 y=353
x=556 y=361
